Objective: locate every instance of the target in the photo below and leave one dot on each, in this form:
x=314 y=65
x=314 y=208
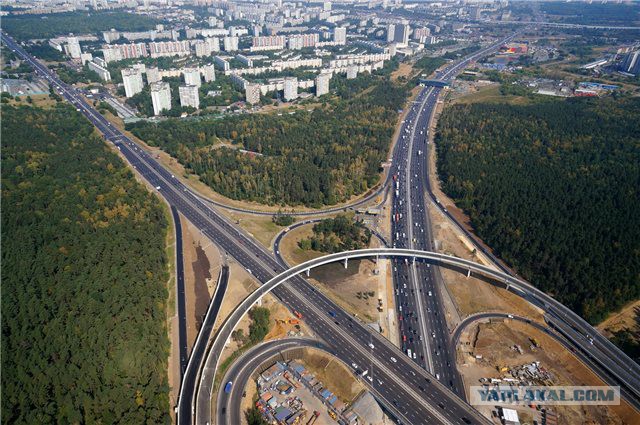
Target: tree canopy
x=338 y=234
x=554 y=188
x=311 y=158
x=26 y=27
x=84 y=292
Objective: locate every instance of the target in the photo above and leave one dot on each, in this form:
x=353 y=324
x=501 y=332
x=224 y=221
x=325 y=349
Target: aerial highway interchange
x=393 y=372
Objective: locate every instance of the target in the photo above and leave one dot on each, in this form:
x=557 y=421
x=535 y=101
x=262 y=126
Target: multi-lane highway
x=353 y=337
x=423 y=328
x=398 y=382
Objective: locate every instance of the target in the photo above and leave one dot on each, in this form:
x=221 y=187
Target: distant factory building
x=160 y=97
x=189 y=96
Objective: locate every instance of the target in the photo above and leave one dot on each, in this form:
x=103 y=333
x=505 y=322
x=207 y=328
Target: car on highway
x=393 y=359
x=227 y=388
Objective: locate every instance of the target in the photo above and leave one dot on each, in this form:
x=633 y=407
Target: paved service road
x=190 y=379
x=228 y=411
x=420 y=407
x=181 y=301
x=341 y=332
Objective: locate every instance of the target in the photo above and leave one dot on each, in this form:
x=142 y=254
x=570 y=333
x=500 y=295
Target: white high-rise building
x=322 y=83
x=252 y=93
x=231 y=44
x=300 y=41
x=391 y=29
x=208 y=72
x=189 y=96
x=73 y=47
x=202 y=48
x=214 y=43
x=352 y=72
x=290 y=88
x=421 y=34
x=326 y=6
x=191 y=76
x=401 y=35
x=100 y=69
x=119 y=52
x=340 y=35
x=153 y=75
x=132 y=79
x=85 y=57
x=160 y=97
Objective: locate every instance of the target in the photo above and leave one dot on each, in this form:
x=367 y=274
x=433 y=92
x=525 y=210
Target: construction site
x=290 y=394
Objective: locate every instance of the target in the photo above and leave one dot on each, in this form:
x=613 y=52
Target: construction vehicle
x=333 y=415
x=313 y=417
x=288 y=321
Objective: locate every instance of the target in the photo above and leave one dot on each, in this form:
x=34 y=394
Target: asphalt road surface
x=228 y=411
x=422 y=407
x=181 y=301
x=190 y=378
x=302 y=297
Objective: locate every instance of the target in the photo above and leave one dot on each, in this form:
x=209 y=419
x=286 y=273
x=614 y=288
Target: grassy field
x=335 y=375
x=491 y=94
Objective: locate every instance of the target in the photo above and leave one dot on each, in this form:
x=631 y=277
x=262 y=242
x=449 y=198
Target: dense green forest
x=27 y=27
x=338 y=234
x=45 y=52
x=554 y=188
x=629 y=341
x=595 y=13
x=84 y=278
x=310 y=158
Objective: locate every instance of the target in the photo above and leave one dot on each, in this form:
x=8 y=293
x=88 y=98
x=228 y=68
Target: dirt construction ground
x=357 y=288
x=494 y=342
